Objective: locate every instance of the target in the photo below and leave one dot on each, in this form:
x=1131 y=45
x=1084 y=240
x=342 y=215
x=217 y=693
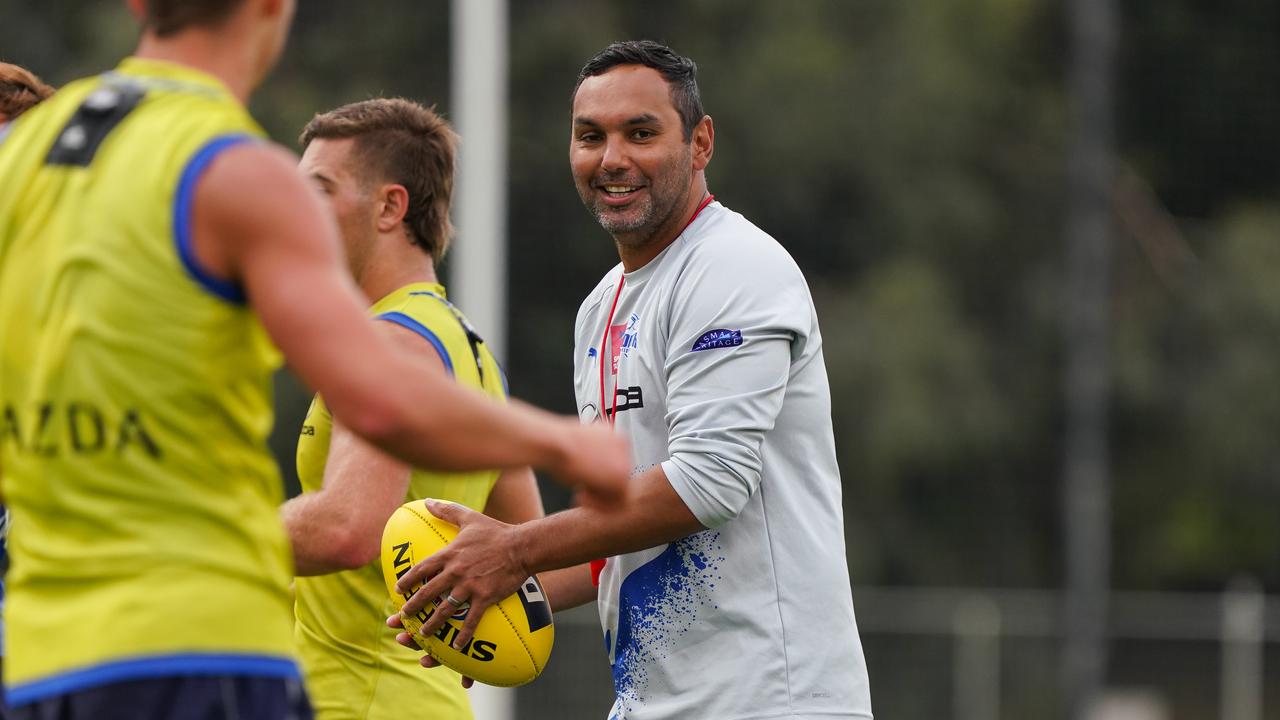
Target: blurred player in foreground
x=148 y=236
x=727 y=593
x=386 y=167
x=20 y=90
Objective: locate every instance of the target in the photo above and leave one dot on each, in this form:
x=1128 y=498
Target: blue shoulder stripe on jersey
x=182 y=205
x=155 y=666
x=403 y=320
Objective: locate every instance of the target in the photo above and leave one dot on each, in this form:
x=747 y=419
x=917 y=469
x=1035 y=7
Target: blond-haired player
x=386 y=168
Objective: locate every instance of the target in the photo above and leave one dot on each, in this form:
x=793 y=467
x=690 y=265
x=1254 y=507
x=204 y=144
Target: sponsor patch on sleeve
x=719 y=338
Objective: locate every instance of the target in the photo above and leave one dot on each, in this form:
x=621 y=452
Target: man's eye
x=643 y=134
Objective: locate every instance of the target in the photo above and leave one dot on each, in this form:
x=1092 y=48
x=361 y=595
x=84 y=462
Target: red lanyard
x=622 y=279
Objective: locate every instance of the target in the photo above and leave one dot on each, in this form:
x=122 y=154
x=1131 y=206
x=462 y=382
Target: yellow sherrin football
x=513 y=640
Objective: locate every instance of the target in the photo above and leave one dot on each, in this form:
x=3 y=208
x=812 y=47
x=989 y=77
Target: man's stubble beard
x=662 y=200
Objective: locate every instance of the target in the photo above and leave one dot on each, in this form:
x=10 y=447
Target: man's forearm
x=320 y=546
x=568 y=587
x=654 y=515
x=293 y=514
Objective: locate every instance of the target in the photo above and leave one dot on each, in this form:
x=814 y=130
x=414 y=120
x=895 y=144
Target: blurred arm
x=257 y=221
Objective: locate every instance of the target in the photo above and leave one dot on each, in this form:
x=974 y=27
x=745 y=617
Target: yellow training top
x=355 y=668
x=135 y=399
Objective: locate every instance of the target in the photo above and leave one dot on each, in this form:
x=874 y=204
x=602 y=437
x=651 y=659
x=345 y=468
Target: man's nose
x=615 y=156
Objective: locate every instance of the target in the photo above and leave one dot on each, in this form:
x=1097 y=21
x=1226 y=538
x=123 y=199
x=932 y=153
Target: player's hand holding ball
x=480 y=613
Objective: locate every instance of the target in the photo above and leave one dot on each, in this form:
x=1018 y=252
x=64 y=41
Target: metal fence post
x=976 y=673
x=1086 y=335
x=1243 y=633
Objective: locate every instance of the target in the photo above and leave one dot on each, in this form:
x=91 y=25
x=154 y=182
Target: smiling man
x=725 y=594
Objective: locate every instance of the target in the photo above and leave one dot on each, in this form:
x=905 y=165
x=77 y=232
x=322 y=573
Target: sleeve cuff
x=710 y=514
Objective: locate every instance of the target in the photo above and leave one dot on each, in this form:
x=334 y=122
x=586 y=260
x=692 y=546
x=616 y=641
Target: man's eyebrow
x=320 y=177
x=642 y=119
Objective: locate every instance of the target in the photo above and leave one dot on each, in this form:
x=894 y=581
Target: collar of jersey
x=149 y=68
x=642 y=273
x=401 y=292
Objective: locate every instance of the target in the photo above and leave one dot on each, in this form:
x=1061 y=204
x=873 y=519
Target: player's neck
x=230 y=61
x=636 y=253
x=393 y=267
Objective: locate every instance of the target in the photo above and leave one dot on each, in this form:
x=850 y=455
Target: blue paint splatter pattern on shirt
x=657 y=601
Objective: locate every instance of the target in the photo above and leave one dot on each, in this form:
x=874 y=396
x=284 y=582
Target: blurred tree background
x=910 y=155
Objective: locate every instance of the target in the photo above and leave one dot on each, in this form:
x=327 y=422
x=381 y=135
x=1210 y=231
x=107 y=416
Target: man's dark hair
x=166 y=17
x=400 y=141
x=679 y=72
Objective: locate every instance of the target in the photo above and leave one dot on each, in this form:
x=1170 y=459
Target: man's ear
x=703 y=142
x=393 y=205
